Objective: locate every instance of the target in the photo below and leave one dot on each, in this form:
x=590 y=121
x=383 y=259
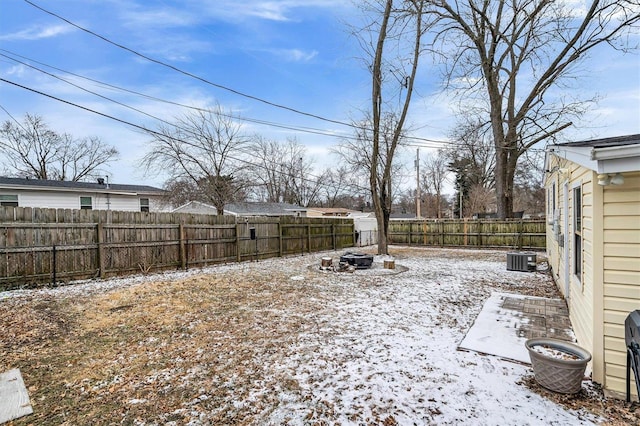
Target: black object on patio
x=632 y=340
x=359 y=260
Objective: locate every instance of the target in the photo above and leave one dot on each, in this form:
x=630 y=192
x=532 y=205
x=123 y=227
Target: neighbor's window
x=86 y=203
x=144 y=204
x=577 y=232
x=9 y=200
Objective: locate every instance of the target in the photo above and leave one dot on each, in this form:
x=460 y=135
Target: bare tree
x=32 y=149
x=480 y=199
x=178 y=192
x=282 y=172
x=394 y=48
x=513 y=60
x=530 y=194
x=357 y=157
x=433 y=177
x=203 y=147
x=272 y=171
x=339 y=189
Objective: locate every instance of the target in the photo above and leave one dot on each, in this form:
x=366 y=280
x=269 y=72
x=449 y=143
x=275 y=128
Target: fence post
x=479 y=232
x=100 y=241
x=333 y=236
x=54 y=265
x=465 y=230
x=280 y=237
x=186 y=255
x=309 y=238
x=238 y=257
x=520 y=230
x=183 y=258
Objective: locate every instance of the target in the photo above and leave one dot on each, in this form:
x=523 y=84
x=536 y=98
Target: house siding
x=621 y=240
x=555 y=219
x=582 y=290
x=71 y=200
x=581 y=302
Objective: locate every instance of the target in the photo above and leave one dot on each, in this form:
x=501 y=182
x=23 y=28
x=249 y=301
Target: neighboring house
x=329 y=212
x=244 y=209
x=593 y=244
x=402 y=216
x=55 y=194
x=195 y=207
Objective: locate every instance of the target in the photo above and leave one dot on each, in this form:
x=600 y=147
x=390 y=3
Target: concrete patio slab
x=506 y=321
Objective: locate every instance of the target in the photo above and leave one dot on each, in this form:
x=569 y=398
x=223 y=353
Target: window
x=9 y=200
x=577 y=232
x=144 y=204
x=86 y=203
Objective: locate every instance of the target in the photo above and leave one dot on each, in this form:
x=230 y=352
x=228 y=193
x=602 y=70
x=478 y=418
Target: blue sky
x=295 y=53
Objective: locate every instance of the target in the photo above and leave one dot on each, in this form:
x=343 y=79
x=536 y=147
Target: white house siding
x=621 y=239
x=71 y=200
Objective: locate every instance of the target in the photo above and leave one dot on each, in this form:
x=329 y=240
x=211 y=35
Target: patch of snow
x=382 y=345
x=495 y=323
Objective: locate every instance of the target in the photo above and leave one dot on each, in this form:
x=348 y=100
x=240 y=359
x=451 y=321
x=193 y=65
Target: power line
x=12 y=117
x=204 y=80
x=187 y=73
x=154 y=98
x=153 y=132
x=420 y=142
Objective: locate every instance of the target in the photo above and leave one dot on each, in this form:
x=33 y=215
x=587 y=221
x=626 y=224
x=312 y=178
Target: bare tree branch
x=31 y=149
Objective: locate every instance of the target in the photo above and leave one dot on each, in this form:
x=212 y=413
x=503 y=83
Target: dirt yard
x=281 y=342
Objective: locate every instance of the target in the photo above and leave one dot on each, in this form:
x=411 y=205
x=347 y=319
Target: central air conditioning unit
x=523 y=262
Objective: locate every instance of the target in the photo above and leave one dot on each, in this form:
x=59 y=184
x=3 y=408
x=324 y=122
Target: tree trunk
x=502 y=201
x=383 y=246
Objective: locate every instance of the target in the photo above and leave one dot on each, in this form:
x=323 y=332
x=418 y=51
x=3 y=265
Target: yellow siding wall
x=581 y=288
x=553 y=185
x=621 y=227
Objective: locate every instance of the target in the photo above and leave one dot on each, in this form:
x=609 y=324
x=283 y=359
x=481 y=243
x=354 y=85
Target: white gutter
x=615 y=152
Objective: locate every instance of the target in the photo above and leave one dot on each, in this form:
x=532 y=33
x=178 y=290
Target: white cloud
x=274 y=10
x=158 y=18
x=16 y=70
x=38 y=32
x=295 y=55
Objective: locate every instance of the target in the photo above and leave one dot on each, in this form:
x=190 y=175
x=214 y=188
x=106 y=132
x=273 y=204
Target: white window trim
x=17 y=199
x=574 y=218
x=85 y=196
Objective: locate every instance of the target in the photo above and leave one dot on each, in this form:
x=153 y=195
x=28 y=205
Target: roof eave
x=616 y=159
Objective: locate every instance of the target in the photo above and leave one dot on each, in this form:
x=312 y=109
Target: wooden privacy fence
x=48 y=245
x=528 y=234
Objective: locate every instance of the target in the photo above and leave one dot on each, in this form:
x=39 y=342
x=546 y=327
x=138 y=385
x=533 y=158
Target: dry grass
x=202 y=347
x=148 y=350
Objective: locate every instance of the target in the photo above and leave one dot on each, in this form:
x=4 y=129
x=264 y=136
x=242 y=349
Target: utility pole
x=418 y=183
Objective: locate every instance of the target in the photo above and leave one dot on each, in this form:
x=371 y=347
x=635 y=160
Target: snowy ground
x=289 y=344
